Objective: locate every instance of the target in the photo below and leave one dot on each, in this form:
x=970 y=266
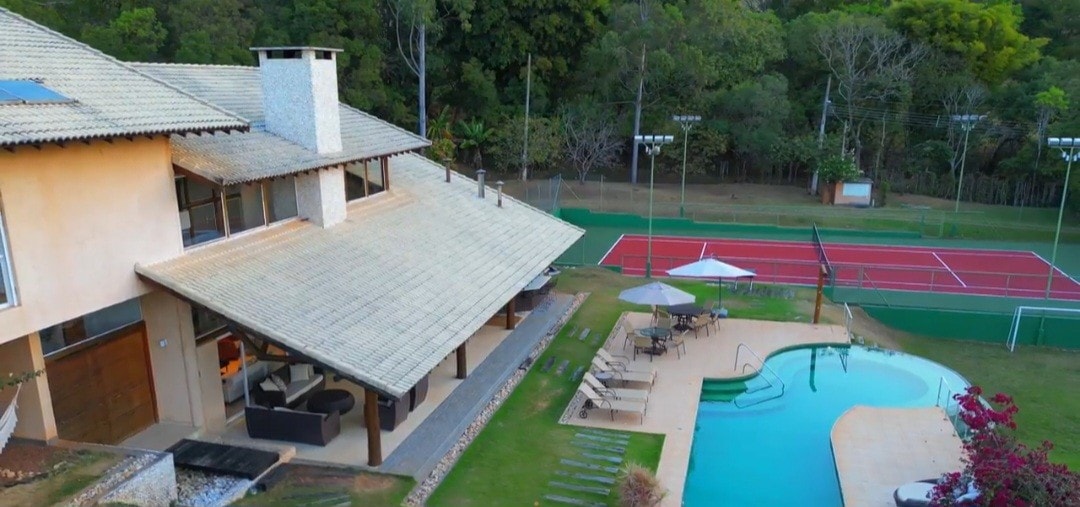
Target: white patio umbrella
x=711 y=268
x=656 y=294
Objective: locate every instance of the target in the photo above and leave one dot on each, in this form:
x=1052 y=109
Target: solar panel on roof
x=28 y=92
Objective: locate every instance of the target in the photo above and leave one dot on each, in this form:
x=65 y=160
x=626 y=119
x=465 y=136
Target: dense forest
x=908 y=81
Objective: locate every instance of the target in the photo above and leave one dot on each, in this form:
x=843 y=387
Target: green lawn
x=1038 y=379
x=514 y=457
x=314 y=485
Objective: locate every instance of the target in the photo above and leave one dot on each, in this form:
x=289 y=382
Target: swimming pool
x=775 y=450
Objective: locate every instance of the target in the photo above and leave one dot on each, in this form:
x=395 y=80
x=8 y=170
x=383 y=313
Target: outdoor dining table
x=658 y=336
x=685 y=314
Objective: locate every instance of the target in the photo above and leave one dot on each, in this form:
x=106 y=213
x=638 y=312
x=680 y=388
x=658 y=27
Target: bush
x=1000 y=471
x=638 y=487
x=835 y=169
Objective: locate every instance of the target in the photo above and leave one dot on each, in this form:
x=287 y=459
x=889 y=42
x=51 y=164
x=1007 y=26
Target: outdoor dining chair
x=701 y=321
x=678 y=341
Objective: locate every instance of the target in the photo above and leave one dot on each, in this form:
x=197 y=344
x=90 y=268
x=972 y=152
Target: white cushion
x=299 y=372
x=914 y=492
x=268 y=385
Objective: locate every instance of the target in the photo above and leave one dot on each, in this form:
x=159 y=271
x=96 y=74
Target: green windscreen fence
x=1060 y=331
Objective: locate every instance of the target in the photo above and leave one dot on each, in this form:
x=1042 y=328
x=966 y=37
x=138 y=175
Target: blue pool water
x=775 y=451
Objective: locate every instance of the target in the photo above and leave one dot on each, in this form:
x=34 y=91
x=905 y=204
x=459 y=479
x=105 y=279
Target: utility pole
x=967 y=122
x=686 y=122
x=821 y=132
x=637 y=119
x=525 y=145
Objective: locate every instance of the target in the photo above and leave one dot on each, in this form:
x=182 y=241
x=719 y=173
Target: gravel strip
x=200 y=489
x=112 y=477
x=423 y=490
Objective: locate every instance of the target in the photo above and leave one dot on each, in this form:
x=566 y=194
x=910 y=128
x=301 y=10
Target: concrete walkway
x=673 y=402
x=879 y=449
x=421 y=451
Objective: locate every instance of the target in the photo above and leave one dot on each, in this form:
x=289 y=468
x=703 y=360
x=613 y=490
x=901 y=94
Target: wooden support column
x=374 y=433
x=462 y=363
x=511 y=321
x=820 y=289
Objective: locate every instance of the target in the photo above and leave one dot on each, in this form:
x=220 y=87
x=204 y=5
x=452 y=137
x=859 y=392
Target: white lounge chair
x=595 y=400
x=619 y=393
x=624 y=375
x=622 y=362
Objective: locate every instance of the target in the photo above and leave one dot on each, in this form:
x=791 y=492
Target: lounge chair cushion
x=913 y=494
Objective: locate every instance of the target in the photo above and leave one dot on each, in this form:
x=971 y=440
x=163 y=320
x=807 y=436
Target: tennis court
x=952 y=270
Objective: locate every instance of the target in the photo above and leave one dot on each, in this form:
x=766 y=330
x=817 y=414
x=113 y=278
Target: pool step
x=723 y=391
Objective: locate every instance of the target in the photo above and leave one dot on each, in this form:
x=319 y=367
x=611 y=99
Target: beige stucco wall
x=78 y=219
x=175 y=365
x=34 y=412
x=211 y=398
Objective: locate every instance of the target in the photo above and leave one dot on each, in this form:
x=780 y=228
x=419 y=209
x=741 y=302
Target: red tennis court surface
x=954 y=270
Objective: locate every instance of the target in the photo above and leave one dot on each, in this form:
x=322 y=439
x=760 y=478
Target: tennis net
x=822 y=257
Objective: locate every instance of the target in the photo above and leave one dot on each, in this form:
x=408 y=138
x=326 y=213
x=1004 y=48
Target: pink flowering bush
x=1000 y=471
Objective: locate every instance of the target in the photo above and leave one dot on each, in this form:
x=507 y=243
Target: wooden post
x=820 y=290
x=374 y=432
x=511 y=322
x=462 y=363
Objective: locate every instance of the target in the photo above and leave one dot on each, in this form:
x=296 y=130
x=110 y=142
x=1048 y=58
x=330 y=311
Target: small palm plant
x=474 y=137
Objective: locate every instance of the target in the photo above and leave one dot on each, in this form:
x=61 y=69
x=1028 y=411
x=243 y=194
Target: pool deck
x=673 y=402
x=880 y=449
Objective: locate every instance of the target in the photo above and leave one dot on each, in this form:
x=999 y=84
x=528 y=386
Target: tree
x=545 y=143
x=999 y=470
x=986 y=35
x=135 y=35
x=210 y=31
x=870 y=64
x=961 y=98
x=1050 y=103
x=589 y=139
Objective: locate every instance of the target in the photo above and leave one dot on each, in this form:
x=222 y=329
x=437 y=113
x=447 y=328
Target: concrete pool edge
x=922 y=444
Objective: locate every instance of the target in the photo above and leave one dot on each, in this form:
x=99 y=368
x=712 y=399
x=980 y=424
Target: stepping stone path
x=584 y=335
x=578 y=372
x=588 y=477
x=547 y=364
x=562 y=367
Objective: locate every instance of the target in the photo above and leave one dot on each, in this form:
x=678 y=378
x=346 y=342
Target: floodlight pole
x=652 y=145
x=687 y=122
x=1068 y=147
x=967 y=122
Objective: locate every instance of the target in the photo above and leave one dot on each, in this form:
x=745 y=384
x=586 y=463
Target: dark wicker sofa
x=292 y=425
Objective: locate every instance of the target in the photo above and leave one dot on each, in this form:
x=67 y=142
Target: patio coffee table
x=331 y=400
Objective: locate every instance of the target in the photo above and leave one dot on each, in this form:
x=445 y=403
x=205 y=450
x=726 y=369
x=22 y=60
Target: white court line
x=958 y=251
x=1066 y=275
x=613 y=245
x=946 y=266
x=861 y=246
x=704 y=245
x=693 y=240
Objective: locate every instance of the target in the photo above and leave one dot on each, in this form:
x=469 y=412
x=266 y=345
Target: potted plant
x=833 y=170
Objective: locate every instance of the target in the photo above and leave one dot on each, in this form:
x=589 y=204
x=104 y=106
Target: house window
x=201 y=217
x=209 y=212
x=244 y=207
x=206 y=321
x=90 y=326
x=281 y=198
x=7 y=284
x=363 y=179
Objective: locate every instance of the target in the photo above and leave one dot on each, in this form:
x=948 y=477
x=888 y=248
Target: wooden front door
x=104 y=393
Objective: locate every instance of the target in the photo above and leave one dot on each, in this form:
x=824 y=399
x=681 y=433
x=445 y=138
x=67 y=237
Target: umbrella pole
x=720 y=291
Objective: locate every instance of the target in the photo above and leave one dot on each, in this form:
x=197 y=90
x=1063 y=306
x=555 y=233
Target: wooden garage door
x=104 y=394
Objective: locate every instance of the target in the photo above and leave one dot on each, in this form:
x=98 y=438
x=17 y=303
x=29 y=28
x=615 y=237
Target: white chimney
x=300 y=95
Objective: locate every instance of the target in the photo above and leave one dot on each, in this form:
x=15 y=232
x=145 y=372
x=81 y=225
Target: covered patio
x=397 y=294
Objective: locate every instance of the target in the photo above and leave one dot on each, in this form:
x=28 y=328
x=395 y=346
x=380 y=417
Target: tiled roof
x=109 y=97
x=383 y=297
x=240 y=158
